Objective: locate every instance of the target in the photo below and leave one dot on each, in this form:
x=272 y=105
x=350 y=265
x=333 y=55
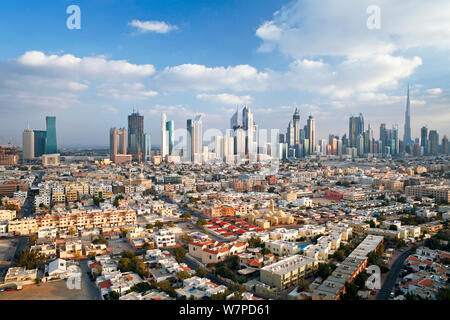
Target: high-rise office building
x=118 y=145
x=407 y=130
x=234 y=121
x=356 y=127
x=290 y=135
x=170 y=128
x=164 y=136
x=296 y=120
x=311 y=134
x=194 y=137
x=251 y=131
x=39 y=142
x=433 y=140
x=135 y=135
x=50 y=138
x=424 y=139
x=147 y=147
x=445 y=145
x=28 y=144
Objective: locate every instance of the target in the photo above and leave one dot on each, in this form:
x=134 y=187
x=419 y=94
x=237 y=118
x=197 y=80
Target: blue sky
x=273 y=55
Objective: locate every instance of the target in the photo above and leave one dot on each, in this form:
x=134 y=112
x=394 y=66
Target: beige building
x=287 y=272
x=7 y=215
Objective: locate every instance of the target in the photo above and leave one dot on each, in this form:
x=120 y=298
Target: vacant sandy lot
x=56 y=290
x=7 y=249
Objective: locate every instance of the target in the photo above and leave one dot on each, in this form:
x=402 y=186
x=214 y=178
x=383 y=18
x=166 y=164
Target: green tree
x=201 y=222
x=30 y=259
x=201 y=272
x=324 y=270
x=182 y=275
x=159 y=224
x=180 y=253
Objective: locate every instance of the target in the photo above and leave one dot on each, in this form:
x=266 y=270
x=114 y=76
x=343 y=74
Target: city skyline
x=251 y=64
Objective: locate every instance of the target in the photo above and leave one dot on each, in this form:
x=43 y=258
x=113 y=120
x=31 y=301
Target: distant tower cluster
x=36 y=143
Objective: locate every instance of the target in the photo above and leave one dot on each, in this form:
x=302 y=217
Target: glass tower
x=50 y=140
x=39 y=142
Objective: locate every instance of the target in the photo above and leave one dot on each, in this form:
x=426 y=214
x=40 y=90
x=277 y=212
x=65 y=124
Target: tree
x=339 y=255
x=443 y=294
x=116 y=200
x=165 y=286
x=303 y=284
x=113 y=295
x=141 y=287
x=180 y=253
x=324 y=270
x=187 y=238
x=170 y=224
x=186 y=215
x=159 y=224
x=182 y=275
x=100 y=240
x=149 y=226
x=201 y=222
x=30 y=259
x=201 y=272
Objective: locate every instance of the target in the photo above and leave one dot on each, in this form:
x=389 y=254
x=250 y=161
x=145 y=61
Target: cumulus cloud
x=152 y=26
x=225 y=98
x=309 y=28
x=203 y=78
x=87 y=67
x=434 y=91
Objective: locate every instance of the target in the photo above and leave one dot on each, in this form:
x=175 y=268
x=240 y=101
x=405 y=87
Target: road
x=392 y=275
x=93 y=291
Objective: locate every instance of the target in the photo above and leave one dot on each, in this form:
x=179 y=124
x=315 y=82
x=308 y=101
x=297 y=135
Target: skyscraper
x=407 y=132
x=433 y=140
x=50 y=139
x=28 y=144
x=118 y=145
x=234 y=121
x=445 y=145
x=296 y=120
x=424 y=139
x=147 y=150
x=249 y=127
x=170 y=127
x=290 y=135
x=135 y=135
x=311 y=134
x=195 y=136
x=164 y=138
x=356 y=127
x=39 y=142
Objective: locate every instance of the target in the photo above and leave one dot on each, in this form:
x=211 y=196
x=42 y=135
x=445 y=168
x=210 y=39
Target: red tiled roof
x=105 y=284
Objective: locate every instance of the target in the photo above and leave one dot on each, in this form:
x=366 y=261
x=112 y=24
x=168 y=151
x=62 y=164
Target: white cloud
x=345 y=79
x=126 y=91
x=87 y=67
x=152 y=26
x=331 y=27
x=225 y=98
x=199 y=77
x=434 y=91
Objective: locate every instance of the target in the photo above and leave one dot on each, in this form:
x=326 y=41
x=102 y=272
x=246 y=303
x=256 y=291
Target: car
x=373 y=292
x=392 y=295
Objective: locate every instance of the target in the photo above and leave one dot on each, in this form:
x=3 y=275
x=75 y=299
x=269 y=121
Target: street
x=392 y=275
